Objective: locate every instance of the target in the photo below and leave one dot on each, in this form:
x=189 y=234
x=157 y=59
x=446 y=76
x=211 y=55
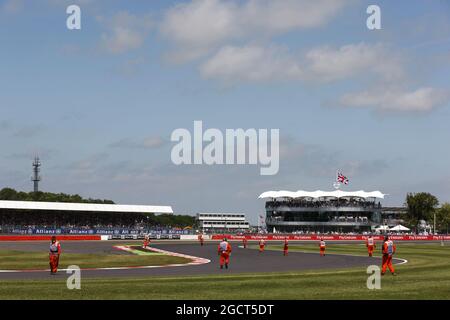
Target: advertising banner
x=98 y=231
x=276 y=237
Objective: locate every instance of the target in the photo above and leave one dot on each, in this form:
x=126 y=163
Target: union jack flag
x=341 y=178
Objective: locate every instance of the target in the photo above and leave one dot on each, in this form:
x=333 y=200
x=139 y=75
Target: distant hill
x=11 y=194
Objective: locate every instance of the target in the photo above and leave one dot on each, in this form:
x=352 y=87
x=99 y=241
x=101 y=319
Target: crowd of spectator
x=316 y=203
x=322 y=218
x=352 y=233
x=85 y=221
x=361 y=219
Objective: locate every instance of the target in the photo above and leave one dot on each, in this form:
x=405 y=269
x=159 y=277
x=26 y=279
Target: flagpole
x=258 y=223
x=434 y=223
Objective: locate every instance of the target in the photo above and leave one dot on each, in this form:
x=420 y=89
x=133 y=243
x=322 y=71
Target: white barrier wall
x=193 y=237
x=188 y=237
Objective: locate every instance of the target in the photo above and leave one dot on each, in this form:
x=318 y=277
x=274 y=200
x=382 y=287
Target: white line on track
x=195 y=261
x=403 y=261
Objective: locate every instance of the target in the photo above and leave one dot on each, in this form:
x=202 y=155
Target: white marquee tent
x=382 y=228
x=321 y=194
x=399 y=228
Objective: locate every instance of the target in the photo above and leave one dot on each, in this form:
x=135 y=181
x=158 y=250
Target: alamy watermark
x=373 y=22
x=74 y=280
x=374 y=280
x=236 y=146
x=73 y=21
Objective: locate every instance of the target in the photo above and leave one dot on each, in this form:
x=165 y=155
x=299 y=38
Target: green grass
x=425 y=276
x=144 y=252
x=19 y=260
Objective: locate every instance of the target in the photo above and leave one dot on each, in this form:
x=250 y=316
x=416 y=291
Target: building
x=321 y=211
x=393 y=216
x=222 y=222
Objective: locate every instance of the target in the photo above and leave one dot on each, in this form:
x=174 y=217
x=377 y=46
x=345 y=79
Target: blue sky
x=99 y=104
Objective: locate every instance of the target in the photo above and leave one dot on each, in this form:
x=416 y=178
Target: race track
x=241 y=261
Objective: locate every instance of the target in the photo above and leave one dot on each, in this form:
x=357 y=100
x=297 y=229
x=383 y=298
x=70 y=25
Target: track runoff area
x=340 y=274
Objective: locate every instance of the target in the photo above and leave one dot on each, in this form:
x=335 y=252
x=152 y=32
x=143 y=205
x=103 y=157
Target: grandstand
x=62 y=217
x=320 y=211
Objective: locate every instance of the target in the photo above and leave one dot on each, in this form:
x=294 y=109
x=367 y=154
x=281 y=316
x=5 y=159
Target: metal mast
x=36 y=177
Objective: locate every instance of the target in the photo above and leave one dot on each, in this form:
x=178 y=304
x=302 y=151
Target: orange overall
x=55 y=251
x=370 y=244
x=322 y=247
x=146 y=241
x=388 y=251
x=262 y=244
x=200 y=238
x=224 y=251
x=285 y=247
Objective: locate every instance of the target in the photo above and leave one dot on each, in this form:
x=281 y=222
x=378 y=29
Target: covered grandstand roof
x=321 y=194
x=89 y=207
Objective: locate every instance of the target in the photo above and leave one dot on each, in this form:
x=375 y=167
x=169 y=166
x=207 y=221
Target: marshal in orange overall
x=55 y=252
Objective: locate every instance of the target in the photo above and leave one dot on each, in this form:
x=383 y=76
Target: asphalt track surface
x=241 y=260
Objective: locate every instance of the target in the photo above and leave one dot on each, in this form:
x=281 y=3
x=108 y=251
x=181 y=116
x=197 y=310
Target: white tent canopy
x=399 y=228
x=321 y=194
x=382 y=228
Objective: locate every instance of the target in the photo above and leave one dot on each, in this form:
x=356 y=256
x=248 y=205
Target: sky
x=99 y=105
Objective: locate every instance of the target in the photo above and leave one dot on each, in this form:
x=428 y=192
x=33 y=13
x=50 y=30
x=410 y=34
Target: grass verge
x=425 y=276
x=19 y=260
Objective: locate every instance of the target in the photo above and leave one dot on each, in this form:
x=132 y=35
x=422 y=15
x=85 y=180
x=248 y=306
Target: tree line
x=11 y=194
x=425 y=206
x=179 y=221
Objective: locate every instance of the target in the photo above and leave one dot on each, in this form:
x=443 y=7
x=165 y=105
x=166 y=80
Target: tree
x=8 y=194
x=443 y=218
x=420 y=206
x=11 y=194
x=178 y=221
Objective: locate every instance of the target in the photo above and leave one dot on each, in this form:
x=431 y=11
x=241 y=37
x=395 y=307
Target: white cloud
x=153 y=142
x=197 y=26
x=125 y=32
x=420 y=100
x=254 y=63
x=122 y=40
x=251 y=63
x=329 y=64
x=200 y=26
x=147 y=143
x=274 y=17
